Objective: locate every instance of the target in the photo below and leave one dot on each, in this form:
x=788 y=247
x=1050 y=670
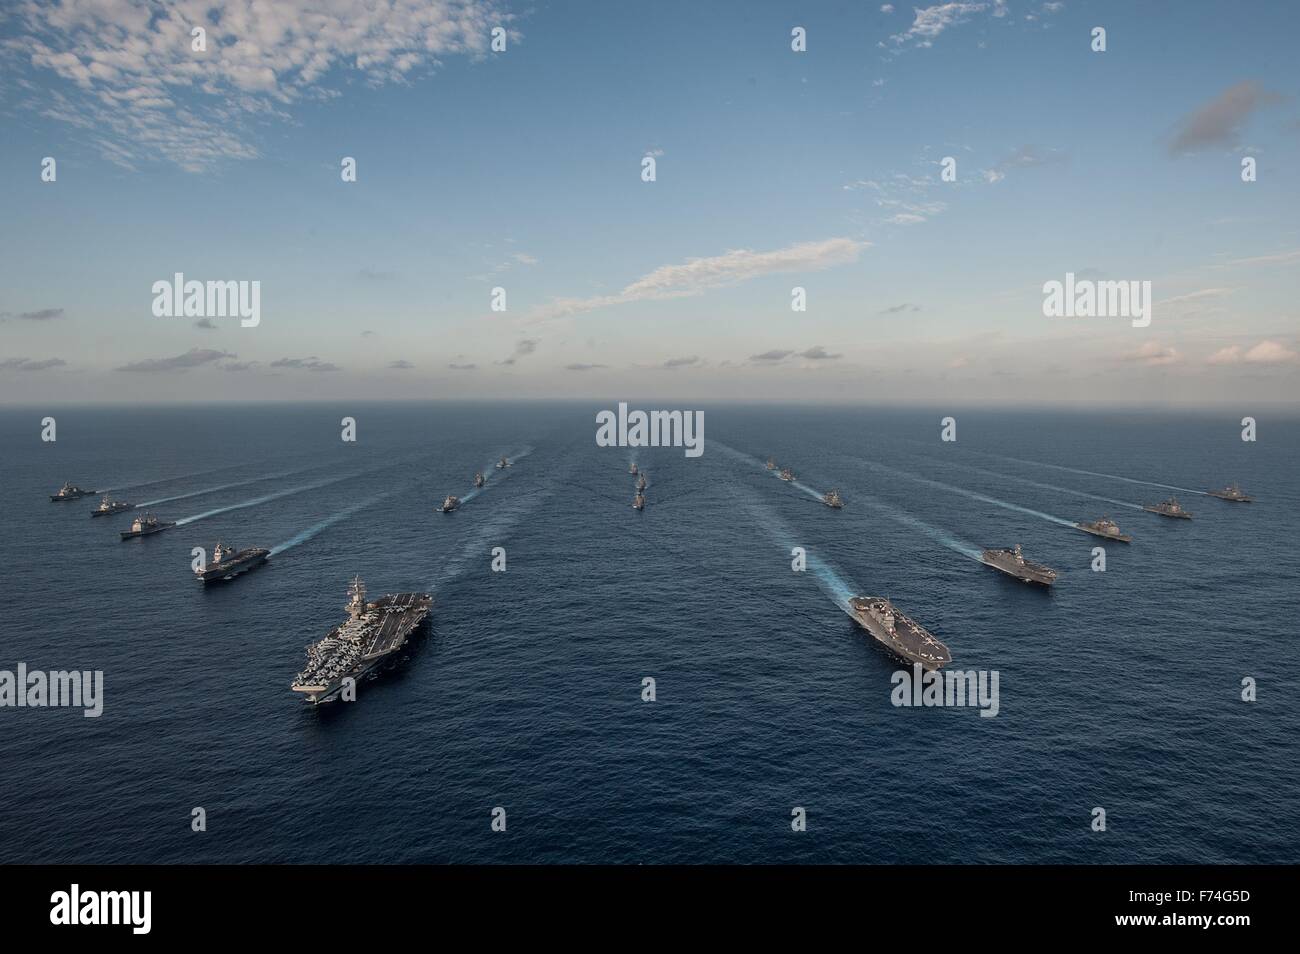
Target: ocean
x=1119 y=690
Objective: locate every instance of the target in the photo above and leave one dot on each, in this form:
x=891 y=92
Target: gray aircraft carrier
x=372 y=635
x=1013 y=563
x=900 y=635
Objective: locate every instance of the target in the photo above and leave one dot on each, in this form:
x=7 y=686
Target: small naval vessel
x=832 y=499
x=638 y=502
x=372 y=634
x=478 y=480
x=1013 y=563
x=786 y=474
x=70 y=492
x=109 y=506
x=632 y=470
x=1105 y=527
x=1231 y=492
x=145 y=525
x=503 y=463
x=771 y=463
x=450 y=504
x=641 y=482
x=1169 y=508
x=226 y=563
x=900 y=635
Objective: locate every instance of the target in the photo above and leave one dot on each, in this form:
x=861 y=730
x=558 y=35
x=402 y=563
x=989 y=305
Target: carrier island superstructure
x=372 y=635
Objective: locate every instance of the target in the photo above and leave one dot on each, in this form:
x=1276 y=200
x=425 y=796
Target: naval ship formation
x=372 y=635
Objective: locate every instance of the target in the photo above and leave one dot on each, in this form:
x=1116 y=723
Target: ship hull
x=132 y=534
x=55 y=498
x=1171 y=516
x=110 y=513
x=1230 y=499
x=1119 y=537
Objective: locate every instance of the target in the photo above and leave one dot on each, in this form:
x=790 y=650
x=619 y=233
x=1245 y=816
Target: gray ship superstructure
x=786 y=474
x=503 y=463
x=449 y=504
x=833 y=500
x=1231 y=492
x=900 y=635
x=1013 y=563
x=372 y=635
x=478 y=480
x=146 y=525
x=227 y=563
x=107 y=507
x=632 y=469
x=1105 y=527
x=641 y=482
x=638 y=502
x=1169 y=508
x=70 y=492
x=771 y=463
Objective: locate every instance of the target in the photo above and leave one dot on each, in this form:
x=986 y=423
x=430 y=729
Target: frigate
x=641 y=482
x=478 y=480
x=1169 y=508
x=108 y=506
x=372 y=635
x=638 y=502
x=70 y=492
x=450 y=504
x=786 y=474
x=1231 y=492
x=1013 y=563
x=900 y=635
x=832 y=499
x=1105 y=527
x=226 y=563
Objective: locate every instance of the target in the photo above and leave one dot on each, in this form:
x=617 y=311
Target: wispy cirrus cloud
x=698 y=275
x=305 y=364
x=929 y=22
x=44 y=314
x=138 y=90
x=31 y=364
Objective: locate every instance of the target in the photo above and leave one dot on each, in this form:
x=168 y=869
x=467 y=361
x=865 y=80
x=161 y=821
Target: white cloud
x=138 y=86
x=698 y=275
x=1281 y=258
x=1153 y=355
x=931 y=21
x=1266 y=352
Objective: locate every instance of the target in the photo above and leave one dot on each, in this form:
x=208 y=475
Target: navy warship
x=226 y=563
x=108 y=506
x=372 y=634
x=1013 y=563
x=478 y=480
x=771 y=463
x=833 y=500
x=503 y=463
x=638 y=502
x=632 y=470
x=1105 y=527
x=1169 y=508
x=786 y=474
x=450 y=504
x=70 y=492
x=900 y=635
x=641 y=482
x=145 y=525
x=1231 y=492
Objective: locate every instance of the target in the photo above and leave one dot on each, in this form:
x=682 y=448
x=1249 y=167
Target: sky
x=522 y=169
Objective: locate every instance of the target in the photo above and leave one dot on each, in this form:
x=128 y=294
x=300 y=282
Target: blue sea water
x=1119 y=690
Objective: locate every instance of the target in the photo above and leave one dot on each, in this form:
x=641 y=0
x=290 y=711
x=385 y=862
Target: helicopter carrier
x=226 y=563
x=372 y=635
x=900 y=635
x=1013 y=563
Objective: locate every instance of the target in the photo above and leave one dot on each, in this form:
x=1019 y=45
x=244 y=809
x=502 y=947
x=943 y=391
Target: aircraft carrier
x=226 y=564
x=1013 y=563
x=371 y=636
x=900 y=635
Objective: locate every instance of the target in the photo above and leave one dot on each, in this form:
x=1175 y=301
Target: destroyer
x=227 y=564
x=1169 y=508
x=145 y=525
x=372 y=635
x=786 y=474
x=638 y=502
x=632 y=470
x=641 y=482
x=1105 y=527
x=1231 y=492
x=109 y=506
x=478 y=480
x=833 y=500
x=503 y=463
x=70 y=492
x=450 y=504
x=1013 y=563
x=900 y=635
x=771 y=464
